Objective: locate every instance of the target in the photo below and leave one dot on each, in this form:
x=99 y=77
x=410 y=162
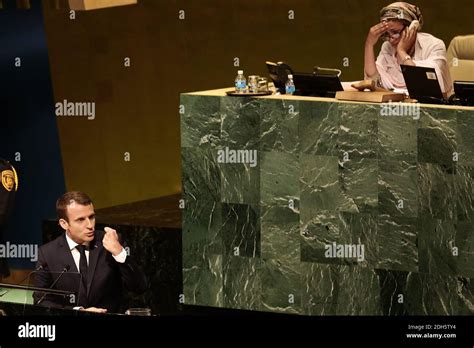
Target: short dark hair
x=70 y=198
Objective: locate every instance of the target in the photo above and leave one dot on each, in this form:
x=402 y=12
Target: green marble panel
x=358 y=130
x=397 y=137
x=465 y=245
x=392 y=291
x=279 y=126
x=436 y=193
x=441 y=118
x=363 y=231
x=242 y=283
x=436 y=242
x=200 y=121
x=359 y=180
x=396 y=244
x=398 y=188
x=465 y=292
x=428 y=294
x=279 y=178
x=465 y=137
x=280 y=234
x=320 y=288
x=437 y=137
x=240 y=123
x=424 y=294
x=201 y=175
x=359 y=291
x=240 y=132
x=319 y=128
x=241 y=230
x=325 y=232
x=202 y=223
x=240 y=182
x=202 y=213
x=319 y=230
x=322 y=186
x=464 y=192
x=282 y=287
x=202 y=278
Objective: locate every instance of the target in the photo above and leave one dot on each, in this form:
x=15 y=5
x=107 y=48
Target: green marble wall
x=254 y=237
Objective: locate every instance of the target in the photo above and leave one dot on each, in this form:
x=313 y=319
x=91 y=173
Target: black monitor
x=465 y=92
x=316 y=85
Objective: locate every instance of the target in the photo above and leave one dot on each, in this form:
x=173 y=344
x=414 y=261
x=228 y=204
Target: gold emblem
x=9 y=180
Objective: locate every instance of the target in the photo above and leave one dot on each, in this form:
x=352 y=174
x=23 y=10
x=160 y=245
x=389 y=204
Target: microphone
x=39 y=268
x=65 y=269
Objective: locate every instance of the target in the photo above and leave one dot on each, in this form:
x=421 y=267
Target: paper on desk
x=401 y=90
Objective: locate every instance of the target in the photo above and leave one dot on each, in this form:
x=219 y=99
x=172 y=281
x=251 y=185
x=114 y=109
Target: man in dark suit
x=105 y=269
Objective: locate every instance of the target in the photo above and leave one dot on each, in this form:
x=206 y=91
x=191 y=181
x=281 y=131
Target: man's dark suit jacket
x=107 y=278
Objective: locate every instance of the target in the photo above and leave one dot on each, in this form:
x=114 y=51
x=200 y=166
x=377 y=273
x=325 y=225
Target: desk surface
x=157 y=212
x=221 y=92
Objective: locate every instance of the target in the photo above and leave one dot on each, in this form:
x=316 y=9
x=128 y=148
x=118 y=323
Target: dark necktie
x=83 y=270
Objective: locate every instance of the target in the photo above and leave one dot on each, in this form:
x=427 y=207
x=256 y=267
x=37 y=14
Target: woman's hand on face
x=375 y=32
x=407 y=40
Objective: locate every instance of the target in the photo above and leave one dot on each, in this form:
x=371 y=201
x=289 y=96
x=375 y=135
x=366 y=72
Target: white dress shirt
x=76 y=255
x=429 y=52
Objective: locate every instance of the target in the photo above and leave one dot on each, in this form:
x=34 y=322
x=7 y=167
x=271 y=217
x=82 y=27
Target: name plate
x=370 y=96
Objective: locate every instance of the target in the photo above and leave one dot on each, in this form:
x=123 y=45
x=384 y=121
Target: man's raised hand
x=111 y=241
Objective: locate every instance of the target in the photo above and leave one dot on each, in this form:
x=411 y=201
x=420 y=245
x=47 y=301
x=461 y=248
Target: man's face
x=81 y=225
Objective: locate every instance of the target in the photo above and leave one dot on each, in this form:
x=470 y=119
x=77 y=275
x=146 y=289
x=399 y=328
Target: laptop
x=422 y=84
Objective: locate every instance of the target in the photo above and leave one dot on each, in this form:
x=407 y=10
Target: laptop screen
x=422 y=84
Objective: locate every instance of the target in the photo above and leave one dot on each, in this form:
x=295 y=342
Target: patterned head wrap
x=402 y=11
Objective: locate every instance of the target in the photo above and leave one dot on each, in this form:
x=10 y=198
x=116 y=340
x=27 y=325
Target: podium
x=24 y=309
x=18 y=300
x=317 y=206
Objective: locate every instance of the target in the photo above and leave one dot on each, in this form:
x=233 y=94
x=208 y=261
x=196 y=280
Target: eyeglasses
x=392 y=34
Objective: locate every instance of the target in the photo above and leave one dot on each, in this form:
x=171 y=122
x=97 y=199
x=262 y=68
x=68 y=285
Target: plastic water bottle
x=290 y=85
x=240 y=82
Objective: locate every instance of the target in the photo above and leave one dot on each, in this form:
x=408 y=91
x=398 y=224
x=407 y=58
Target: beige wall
x=137 y=107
